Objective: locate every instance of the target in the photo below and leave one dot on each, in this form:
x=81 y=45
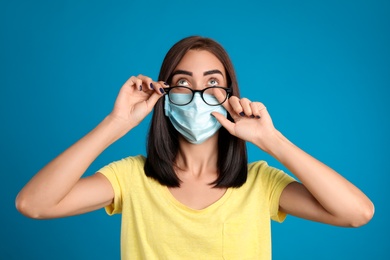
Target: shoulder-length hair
x=163 y=139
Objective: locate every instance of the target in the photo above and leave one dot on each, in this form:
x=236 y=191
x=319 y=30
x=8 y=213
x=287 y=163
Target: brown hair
x=163 y=139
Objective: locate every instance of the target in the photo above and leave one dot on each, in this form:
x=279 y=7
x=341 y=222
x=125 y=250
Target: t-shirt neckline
x=178 y=204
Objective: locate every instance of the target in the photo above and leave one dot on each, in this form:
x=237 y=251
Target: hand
x=252 y=122
x=136 y=99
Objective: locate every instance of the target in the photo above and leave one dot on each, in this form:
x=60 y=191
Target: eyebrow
x=181 y=72
x=209 y=72
x=185 y=72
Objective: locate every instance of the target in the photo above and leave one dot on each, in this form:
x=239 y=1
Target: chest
x=214 y=224
x=197 y=195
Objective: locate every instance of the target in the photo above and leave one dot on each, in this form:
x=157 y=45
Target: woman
x=194 y=195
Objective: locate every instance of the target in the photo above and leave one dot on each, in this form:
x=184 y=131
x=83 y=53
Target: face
x=199 y=69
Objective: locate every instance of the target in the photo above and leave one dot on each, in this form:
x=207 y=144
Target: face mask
x=194 y=120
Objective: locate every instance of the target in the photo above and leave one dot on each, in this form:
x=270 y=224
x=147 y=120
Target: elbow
x=363 y=216
x=27 y=209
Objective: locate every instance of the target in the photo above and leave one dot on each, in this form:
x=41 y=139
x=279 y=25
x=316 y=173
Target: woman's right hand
x=136 y=100
x=57 y=190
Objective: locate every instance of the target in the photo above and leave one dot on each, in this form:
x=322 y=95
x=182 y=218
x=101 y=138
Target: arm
x=58 y=190
x=324 y=195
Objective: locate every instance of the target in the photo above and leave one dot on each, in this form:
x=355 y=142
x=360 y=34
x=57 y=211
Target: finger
x=258 y=109
x=157 y=94
x=236 y=106
x=219 y=94
x=147 y=82
x=246 y=106
x=152 y=100
x=134 y=82
x=164 y=85
x=229 y=108
x=159 y=87
x=224 y=122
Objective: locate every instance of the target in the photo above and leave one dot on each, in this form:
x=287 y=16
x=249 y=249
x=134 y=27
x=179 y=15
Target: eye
x=213 y=82
x=182 y=82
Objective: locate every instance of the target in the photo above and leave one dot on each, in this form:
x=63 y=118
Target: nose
x=197 y=100
x=198 y=84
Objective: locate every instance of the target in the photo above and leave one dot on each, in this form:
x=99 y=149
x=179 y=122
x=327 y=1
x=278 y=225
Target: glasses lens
x=214 y=96
x=180 y=95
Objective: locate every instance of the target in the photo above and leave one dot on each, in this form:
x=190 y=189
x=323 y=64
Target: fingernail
x=166 y=84
x=140 y=87
x=242 y=114
x=151 y=86
x=252 y=116
x=258 y=117
x=162 y=91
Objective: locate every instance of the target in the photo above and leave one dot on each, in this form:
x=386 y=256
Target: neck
x=198 y=159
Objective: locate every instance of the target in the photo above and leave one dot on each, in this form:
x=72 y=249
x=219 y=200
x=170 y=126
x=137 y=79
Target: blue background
x=321 y=67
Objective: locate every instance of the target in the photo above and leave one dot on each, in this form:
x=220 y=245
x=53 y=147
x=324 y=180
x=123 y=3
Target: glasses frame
x=228 y=92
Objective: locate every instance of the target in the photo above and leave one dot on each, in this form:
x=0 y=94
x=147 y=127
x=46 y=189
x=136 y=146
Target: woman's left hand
x=324 y=195
x=252 y=122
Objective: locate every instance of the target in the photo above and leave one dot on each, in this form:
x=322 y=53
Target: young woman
x=194 y=196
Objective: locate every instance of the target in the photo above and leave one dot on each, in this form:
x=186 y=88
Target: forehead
x=200 y=61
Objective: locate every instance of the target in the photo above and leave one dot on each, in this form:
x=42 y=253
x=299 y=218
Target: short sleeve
x=273 y=182
x=279 y=181
x=111 y=172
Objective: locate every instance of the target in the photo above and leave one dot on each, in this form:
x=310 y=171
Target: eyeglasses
x=213 y=96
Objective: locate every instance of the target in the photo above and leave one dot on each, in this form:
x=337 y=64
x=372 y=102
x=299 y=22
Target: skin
x=323 y=195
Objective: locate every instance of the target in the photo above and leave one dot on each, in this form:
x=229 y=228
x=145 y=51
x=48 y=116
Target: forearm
x=335 y=194
x=53 y=182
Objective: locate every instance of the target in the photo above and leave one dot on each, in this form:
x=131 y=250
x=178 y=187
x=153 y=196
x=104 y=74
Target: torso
x=197 y=194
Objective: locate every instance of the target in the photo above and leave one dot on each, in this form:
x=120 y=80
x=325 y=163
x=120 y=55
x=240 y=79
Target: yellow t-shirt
x=157 y=226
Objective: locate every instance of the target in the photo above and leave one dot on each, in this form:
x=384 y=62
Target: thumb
x=152 y=100
x=226 y=123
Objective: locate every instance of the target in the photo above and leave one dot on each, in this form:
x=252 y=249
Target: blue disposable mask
x=194 y=120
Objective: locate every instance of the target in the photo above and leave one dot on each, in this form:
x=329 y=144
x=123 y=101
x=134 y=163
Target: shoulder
x=256 y=167
x=138 y=160
x=267 y=175
x=129 y=161
x=124 y=172
x=124 y=166
x=260 y=169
